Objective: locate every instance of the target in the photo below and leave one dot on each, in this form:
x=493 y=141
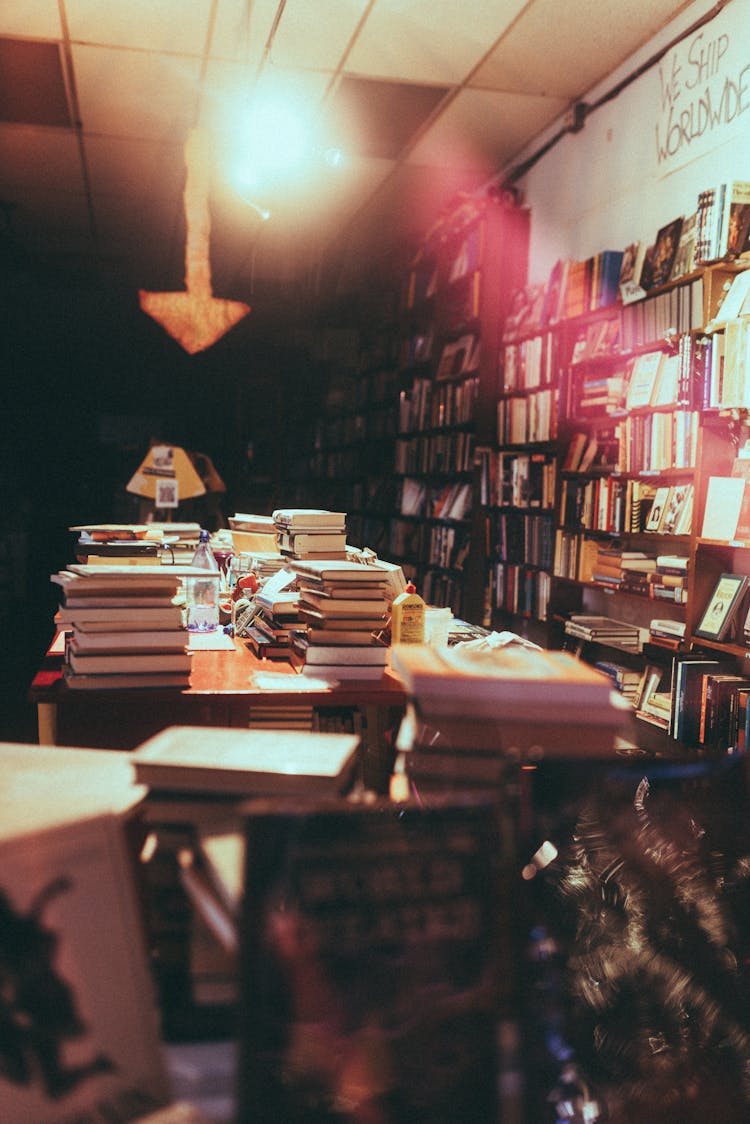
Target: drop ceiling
x=424 y=98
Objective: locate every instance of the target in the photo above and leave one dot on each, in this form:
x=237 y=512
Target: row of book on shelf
x=586 y=558
x=718 y=227
x=451 y=501
x=522 y=480
x=522 y=538
x=647 y=442
x=693 y=372
x=699 y=700
x=529 y=418
x=451 y=451
x=619 y=505
x=695 y=697
x=430 y=405
x=520 y=589
x=439 y=544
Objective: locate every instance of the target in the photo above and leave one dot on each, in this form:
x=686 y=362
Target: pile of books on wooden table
x=310 y=532
x=123 y=626
x=343 y=606
x=476 y=706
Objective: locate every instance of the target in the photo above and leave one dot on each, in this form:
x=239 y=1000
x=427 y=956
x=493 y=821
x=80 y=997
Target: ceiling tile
x=241 y=29
x=380 y=117
x=32 y=156
x=134 y=94
x=39 y=19
x=481 y=129
x=428 y=40
x=129 y=166
x=315 y=36
x=167 y=25
x=548 y=55
x=32 y=88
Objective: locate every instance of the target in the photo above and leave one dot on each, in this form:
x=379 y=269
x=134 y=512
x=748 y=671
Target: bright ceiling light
x=277 y=140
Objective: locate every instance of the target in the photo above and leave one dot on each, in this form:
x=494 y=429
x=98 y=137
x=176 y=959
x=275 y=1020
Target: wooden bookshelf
x=455 y=298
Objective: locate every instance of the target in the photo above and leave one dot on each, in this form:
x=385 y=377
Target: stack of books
x=669 y=580
x=667 y=633
x=276 y=614
x=604 y=630
x=123 y=626
x=342 y=605
x=310 y=533
x=626 y=570
x=473 y=706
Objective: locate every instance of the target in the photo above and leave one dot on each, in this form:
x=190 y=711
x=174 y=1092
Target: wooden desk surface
x=230 y=672
x=222 y=692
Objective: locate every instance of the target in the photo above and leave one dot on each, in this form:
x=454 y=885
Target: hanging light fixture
x=195 y=318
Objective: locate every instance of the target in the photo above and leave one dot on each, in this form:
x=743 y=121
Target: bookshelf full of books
x=347 y=463
x=456 y=295
x=632 y=490
x=642 y=477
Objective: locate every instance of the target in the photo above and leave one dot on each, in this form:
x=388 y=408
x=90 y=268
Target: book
x=643 y=376
x=631 y=269
x=741 y=469
x=514 y=683
x=321 y=620
x=104 y=617
x=81 y=1039
x=687 y=677
x=343 y=671
x=110 y=663
x=284 y=603
x=347 y=591
x=677 y=510
x=578 y=443
x=685 y=257
x=343 y=606
x=340 y=571
x=717 y=690
x=298 y=542
x=115 y=601
x=735 y=223
x=125 y=681
x=426 y=888
x=737 y=300
x=665 y=251
x=374 y=654
x=666 y=387
x=343 y=636
x=658 y=509
x=723 y=503
x=128 y=640
x=309 y=518
x=247 y=762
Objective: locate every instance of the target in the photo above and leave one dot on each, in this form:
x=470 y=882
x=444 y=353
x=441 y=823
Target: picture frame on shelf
x=722 y=607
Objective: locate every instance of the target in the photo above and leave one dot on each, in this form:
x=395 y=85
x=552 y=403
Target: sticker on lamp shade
x=162 y=458
x=167 y=492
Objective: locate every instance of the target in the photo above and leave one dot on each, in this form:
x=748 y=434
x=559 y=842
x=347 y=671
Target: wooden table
x=222 y=692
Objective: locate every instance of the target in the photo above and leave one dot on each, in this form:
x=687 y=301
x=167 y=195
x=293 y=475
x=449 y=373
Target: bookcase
x=619 y=474
x=347 y=463
x=455 y=297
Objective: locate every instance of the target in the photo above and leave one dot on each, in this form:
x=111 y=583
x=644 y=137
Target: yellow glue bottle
x=407 y=617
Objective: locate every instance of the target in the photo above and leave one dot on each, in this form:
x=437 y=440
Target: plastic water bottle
x=202 y=593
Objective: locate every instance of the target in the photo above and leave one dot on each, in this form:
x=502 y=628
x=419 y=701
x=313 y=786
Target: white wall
x=641 y=159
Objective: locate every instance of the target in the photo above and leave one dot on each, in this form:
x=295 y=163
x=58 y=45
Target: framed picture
x=722 y=607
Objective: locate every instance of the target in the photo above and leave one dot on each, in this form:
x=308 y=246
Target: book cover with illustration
x=375 y=948
x=80 y=1034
